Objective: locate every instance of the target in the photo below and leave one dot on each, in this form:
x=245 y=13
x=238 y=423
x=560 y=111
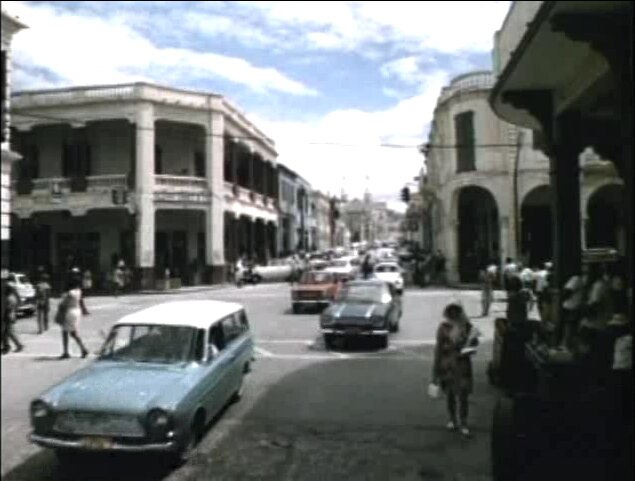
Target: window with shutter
x=464 y=134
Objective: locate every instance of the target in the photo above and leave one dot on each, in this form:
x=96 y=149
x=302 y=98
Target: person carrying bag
x=457 y=340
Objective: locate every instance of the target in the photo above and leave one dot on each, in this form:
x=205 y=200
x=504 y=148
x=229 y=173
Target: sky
x=329 y=82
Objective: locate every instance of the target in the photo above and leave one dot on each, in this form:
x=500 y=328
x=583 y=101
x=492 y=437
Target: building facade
x=487 y=189
x=10 y=26
x=171 y=181
x=324 y=226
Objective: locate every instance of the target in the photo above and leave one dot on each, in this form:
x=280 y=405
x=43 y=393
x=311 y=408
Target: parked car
x=362 y=308
x=25 y=290
x=162 y=374
x=278 y=270
x=390 y=272
x=315 y=289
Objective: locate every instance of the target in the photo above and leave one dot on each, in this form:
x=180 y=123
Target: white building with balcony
x=159 y=177
x=487 y=189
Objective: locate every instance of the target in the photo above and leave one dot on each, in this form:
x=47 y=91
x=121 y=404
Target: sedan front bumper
x=56 y=443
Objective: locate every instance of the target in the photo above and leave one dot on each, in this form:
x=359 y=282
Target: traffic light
x=405 y=194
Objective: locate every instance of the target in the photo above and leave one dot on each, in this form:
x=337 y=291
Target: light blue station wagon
x=163 y=373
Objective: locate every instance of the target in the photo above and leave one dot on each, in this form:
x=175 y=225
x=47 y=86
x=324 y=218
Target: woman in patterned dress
x=452 y=368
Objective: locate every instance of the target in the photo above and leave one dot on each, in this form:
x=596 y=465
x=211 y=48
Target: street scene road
x=354 y=412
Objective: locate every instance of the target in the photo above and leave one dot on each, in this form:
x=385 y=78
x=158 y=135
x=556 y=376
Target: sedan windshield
x=150 y=343
x=362 y=293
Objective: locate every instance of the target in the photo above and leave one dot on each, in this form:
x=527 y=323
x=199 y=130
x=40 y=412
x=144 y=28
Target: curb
x=184 y=290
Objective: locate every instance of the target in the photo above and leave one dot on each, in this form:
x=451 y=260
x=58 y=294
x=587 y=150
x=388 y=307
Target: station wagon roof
x=198 y=314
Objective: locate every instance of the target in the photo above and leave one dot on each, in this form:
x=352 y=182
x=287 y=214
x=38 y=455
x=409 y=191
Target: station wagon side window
x=216 y=336
x=231 y=328
x=244 y=322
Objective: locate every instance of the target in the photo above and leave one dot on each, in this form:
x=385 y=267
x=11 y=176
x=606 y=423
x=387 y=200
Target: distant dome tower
x=368 y=198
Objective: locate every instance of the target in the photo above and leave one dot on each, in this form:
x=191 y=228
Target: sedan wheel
x=329 y=341
x=296 y=308
x=383 y=342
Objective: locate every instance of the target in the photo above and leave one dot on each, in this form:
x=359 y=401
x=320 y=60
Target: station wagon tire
x=238 y=394
x=329 y=341
x=196 y=433
x=296 y=308
x=383 y=342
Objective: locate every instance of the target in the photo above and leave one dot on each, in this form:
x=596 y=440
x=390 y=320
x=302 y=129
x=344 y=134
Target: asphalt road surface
x=356 y=412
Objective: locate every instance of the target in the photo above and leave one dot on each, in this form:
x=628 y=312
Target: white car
x=25 y=290
x=343 y=267
x=391 y=273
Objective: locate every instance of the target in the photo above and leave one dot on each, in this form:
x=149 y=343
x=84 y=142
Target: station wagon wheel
x=238 y=394
x=196 y=433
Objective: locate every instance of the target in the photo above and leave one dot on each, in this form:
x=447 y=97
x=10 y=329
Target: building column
x=565 y=202
x=144 y=196
x=214 y=218
x=251 y=170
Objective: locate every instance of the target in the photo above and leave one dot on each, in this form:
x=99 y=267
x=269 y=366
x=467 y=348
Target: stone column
x=214 y=218
x=508 y=244
x=144 y=196
x=565 y=202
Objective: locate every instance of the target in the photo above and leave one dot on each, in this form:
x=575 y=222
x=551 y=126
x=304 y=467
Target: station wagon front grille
x=98 y=424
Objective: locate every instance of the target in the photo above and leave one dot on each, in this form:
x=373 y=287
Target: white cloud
x=333 y=167
x=82 y=50
x=405 y=69
x=446 y=27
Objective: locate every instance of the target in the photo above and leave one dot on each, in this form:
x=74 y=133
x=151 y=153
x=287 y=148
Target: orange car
x=315 y=289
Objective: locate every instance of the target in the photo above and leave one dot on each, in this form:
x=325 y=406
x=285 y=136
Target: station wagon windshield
x=150 y=343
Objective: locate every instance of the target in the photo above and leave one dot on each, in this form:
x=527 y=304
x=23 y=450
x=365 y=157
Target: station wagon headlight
x=159 y=423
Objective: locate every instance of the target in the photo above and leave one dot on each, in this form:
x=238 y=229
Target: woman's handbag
x=434 y=391
x=60 y=315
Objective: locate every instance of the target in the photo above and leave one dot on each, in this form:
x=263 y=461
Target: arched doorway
x=605 y=226
x=478 y=232
x=535 y=226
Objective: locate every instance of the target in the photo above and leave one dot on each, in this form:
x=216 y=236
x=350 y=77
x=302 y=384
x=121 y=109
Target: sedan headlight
x=159 y=423
x=41 y=416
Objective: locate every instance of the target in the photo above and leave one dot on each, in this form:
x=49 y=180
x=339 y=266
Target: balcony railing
x=467 y=82
x=180 y=182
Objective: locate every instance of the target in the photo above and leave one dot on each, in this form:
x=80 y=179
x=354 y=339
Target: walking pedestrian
x=69 y=316
x=440 y=267
x=367 y=268
x=517 y=300
x=488 y=277
x=456 y=340
x=42 y=300
x=10 y=303
x=118 y=278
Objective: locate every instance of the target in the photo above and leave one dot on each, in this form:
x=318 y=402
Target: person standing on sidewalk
x=69 y=316
x=452 y=367
x=10 y=300
x=43 y=302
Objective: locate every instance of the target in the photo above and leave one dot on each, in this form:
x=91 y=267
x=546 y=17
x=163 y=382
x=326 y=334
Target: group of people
x=68 y=316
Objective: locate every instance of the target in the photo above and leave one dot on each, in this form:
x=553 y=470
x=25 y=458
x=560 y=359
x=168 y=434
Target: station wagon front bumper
x=80 y=445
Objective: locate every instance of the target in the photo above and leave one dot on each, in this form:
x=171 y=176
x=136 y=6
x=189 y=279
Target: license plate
x=353 y=331
x=97 y=443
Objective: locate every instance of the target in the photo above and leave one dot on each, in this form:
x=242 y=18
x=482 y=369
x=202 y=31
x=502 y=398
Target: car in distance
x=316 y=289
x=162 y=374
x=25 y=290
x=362 y=308
x=390 y=272
x=344 y=266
